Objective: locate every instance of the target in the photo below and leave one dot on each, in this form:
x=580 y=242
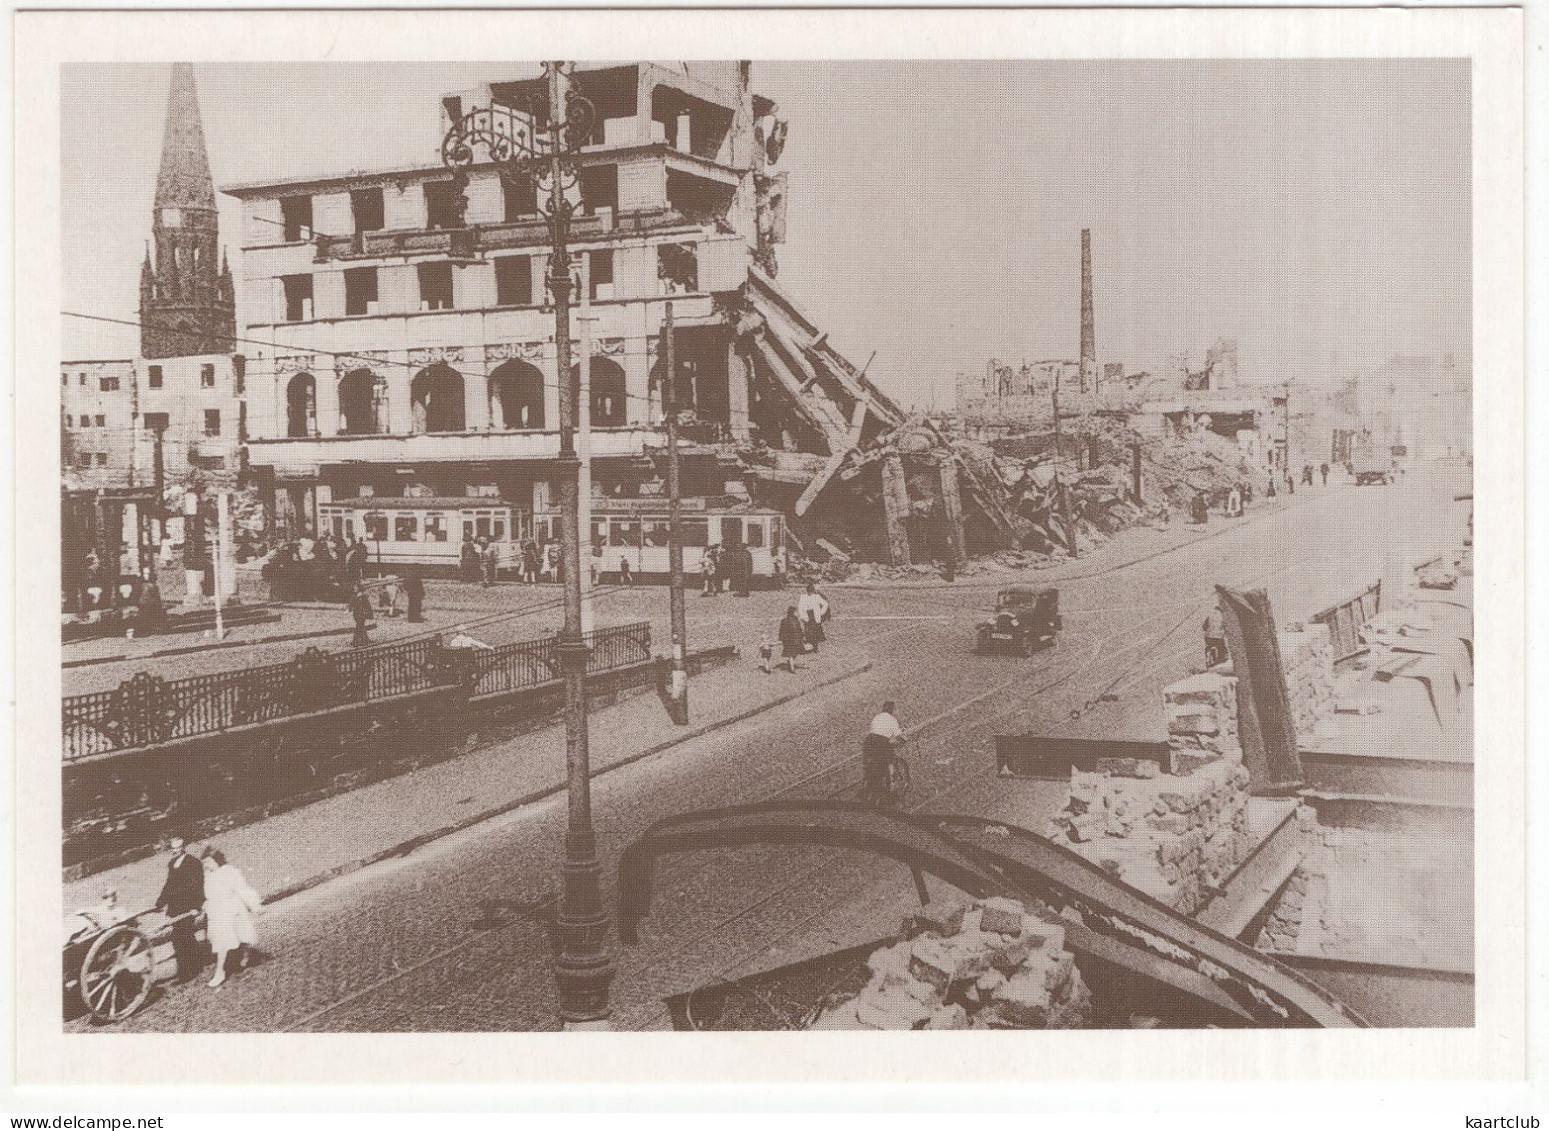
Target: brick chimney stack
x=1088 y=329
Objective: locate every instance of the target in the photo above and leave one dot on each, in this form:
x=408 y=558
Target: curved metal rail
x=986 y=858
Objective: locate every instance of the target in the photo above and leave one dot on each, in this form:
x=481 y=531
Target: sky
x=1316 y=211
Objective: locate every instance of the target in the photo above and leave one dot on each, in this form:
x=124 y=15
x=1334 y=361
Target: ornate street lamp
x=539 y=144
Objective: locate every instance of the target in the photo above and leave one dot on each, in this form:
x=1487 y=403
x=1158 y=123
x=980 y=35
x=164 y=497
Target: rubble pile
x=1173 y=834
x=994 y=965
x=1307 y=656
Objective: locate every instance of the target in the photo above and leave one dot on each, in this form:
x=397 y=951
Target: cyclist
x=877 y=752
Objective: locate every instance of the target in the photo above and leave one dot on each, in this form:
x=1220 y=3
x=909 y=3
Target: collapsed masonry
x=860 y=479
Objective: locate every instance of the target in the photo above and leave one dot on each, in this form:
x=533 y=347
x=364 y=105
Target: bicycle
x=895 y=793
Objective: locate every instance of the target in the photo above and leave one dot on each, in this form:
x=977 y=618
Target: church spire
x=184 y=180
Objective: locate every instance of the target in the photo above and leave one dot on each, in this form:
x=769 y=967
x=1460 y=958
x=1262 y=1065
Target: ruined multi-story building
x=414 y=344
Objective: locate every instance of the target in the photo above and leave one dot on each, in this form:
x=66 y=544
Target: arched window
x=436 y=396
x=363 y=403
x=609 y=397
x=516 y=396
x=301 y=406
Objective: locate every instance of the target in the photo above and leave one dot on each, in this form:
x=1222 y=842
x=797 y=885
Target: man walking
x=414 y=589
x=1323 y=470
x=360 y=608
x=181 y=898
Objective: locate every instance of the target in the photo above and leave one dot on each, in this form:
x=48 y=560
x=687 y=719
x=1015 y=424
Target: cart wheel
x=116 y=973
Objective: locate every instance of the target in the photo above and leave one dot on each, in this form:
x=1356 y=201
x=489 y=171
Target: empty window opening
x=444 y=205
x=366 y=206
x=608 y=393
x=435 y=286
x=157 y=421
x=360 y=290
x=363 y=403
x=521 y=199
x=212 y=422
x=677 y=266
x=207 y=375
x=698 y=199
x=109 y=384
x=298 y=297
x=153 y=375
x=601 y=270
x=688 y=124
x=296 y=212
x=101 y=421
x=599 y=189
x=436 y=398
x=300 y=407
x=513 y=280
x=516 y=396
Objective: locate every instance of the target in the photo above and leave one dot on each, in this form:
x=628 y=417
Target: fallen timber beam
x=799 y=404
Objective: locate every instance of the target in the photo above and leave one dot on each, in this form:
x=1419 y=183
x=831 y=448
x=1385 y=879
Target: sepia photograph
x=766 y=544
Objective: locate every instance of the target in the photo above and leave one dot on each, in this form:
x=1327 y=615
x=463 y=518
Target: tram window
x=625 y=533
x=657 y=532
x=376 y=526
x=497 y=529
x=435 y=528
x=731 y=532
x=406 y=528
x=776 y=531
x=755 y=534
x=467 y=530
x=696 y=531
x=481 y=526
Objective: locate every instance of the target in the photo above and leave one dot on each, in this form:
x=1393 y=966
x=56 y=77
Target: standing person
x=1323 y=470
x=1199 y=509
x=468 y=558
x=707 y=572
x=626 y=575
x=530 y=562
x=1307 y=475
x=793 y=641
x=414 y=589
x=356 y=560
x=551 y=561
x=813 y=609
x=491 y=563
x=1215 y=639
x=360 y=609
x=181 y=897
x=229 y=906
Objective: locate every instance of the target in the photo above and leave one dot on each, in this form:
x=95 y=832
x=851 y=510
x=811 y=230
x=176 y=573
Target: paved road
x=400 y=946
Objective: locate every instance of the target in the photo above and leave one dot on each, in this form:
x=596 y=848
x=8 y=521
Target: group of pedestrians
x=211 y=884
x=801 y=630
x=722 y=568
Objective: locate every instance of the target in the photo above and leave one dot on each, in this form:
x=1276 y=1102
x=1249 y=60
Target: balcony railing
x=465 y=243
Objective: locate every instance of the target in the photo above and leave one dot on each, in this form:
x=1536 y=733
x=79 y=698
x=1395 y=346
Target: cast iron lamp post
x=539 y=144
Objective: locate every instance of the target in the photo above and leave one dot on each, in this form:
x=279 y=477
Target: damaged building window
x=360 y=290
x=154 y=376
x=298 y=297
x=521 y=199
x=599 y=190
x=444 y=204
x=677 y=266
x=513 y=280
x=207 y=375
x=697 y=199
x=601 y=270
x=366 y=206
x=296 y=212
x=435 y=286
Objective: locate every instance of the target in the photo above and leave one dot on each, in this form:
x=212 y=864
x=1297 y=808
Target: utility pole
x=678 y=690
x=539 y=145
x=1134 y=470
x=222 y=548
x=584 y=431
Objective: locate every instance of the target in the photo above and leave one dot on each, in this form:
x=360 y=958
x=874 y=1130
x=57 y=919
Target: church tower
x=187 y=306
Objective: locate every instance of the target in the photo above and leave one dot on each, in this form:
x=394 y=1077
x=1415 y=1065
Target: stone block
x=1002 y=915
x=1184 y=761
x=1172 y=823
x=940 y=962
x=879 y=1008
x=890 y=962
x=1128 y=767
x=952 y=1016
x=1023 y=1000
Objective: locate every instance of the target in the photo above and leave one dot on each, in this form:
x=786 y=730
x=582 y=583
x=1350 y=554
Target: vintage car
x=1025 y=620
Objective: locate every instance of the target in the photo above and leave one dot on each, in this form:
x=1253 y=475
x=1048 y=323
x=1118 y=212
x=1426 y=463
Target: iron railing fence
x=147 y=710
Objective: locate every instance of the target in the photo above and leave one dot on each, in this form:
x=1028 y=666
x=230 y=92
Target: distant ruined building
x=187 y=306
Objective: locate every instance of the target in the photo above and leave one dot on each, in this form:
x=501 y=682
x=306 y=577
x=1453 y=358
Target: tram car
x=426 y=534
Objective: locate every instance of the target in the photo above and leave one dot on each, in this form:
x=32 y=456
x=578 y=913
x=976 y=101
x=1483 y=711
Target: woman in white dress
x=229 y=906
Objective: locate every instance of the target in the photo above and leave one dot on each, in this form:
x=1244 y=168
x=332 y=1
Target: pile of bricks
x=1174 y=835
x=994 y=965
x=1307 y=655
